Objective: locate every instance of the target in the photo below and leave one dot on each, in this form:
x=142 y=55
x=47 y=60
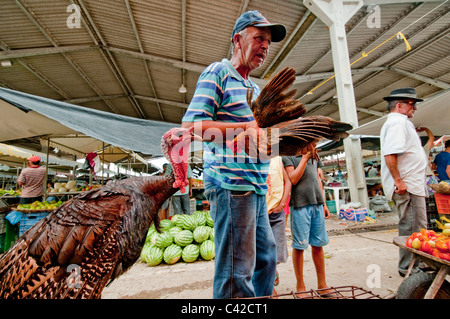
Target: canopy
x=24 y=115
x=433 y=113
x=11 y=151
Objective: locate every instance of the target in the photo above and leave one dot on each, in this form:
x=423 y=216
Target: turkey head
x=175 y=147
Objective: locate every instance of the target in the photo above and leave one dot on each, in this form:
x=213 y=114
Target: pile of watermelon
x=183 y=237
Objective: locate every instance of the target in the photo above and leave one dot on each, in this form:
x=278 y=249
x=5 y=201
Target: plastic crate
x=442 y=203
x=331 y=204
x=29 y=219
x=431 y=205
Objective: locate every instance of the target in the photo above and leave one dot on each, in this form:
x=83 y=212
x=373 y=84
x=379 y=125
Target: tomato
x=409 y=242
x=435 y=253
x=445 y=256
x=442 y=246
x=414 y=235
x=426 y=247
x=431 y=233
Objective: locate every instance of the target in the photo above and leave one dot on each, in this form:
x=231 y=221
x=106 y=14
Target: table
x=336 y=191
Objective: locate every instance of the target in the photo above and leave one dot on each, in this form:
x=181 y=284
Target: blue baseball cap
x=256 y=19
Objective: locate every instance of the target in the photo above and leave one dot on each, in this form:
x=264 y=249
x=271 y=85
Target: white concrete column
x=335 y=13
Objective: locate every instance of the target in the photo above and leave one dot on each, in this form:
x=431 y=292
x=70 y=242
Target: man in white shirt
x=403 y=167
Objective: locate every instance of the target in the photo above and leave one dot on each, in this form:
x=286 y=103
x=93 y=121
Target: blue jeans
x=181 y=204
x=245 y=248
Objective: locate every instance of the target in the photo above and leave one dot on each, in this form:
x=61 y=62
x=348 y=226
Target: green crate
x=331 y=204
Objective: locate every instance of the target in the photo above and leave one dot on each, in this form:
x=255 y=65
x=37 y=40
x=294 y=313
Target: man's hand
x=400 y=187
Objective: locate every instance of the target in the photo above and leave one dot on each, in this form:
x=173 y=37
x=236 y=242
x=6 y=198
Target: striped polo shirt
x=221 y=95
x=33 y=179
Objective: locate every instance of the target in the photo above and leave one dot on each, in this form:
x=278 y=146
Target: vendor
x=374 y=187
x=32 y=179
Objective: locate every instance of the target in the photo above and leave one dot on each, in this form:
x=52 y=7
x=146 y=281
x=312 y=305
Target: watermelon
x=189 y=222
x=174 y=218
x=165 y=224
x=174 y=230
x=207 y=250
x=212 y=234
x=172 y=254
x=179 y=220
x=144 y=250
x=201 y=233
x=151 y=239
x=163 y=240
x=152 y=255
x=200 y=218
x=183 y=238
x=209 y=220
x=150 y=232
x=190 y=253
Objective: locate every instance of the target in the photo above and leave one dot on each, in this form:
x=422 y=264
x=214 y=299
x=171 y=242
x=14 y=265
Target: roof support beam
x=56 y=49
x=43 y=78
x=108 y=57
x=300 y=30
x=326 y=75
x=24 y=53
x=335 y=14
x=141 y=49
x=437 y=83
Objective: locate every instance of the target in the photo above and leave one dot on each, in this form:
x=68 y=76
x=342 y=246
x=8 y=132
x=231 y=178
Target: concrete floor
x=360 y=255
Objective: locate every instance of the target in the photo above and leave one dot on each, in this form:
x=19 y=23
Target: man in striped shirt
x=32 y=178
x=235 y=185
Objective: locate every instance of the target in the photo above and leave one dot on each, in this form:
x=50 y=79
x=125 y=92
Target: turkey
x=286 y=132
x=93 y=238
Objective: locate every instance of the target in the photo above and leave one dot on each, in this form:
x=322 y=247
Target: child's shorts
x=308 y=227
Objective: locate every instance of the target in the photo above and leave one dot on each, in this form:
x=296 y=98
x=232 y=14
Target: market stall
x=77 y=131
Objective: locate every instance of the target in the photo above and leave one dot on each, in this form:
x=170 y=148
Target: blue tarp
x=130 y=133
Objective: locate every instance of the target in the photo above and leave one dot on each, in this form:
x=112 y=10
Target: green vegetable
x=183 y=238
x=201 y=233
x=190 y=253
x=207 y=250
x=172 y=254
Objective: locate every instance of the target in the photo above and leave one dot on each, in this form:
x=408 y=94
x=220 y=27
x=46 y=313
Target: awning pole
x=46 y=169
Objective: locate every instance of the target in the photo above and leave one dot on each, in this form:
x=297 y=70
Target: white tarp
x=24 y=115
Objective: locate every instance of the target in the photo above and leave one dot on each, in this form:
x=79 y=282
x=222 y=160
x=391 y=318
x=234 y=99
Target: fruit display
x=197 y=183
x=442 y=187
x=10 y=192
x=183 y=238
x=70 y=187
x=430 y=242
x=37 y=205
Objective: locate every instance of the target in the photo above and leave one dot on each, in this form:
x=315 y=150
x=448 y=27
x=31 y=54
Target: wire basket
x=342 y=292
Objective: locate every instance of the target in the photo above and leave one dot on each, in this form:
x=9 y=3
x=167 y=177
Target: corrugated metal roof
x=131 y=56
